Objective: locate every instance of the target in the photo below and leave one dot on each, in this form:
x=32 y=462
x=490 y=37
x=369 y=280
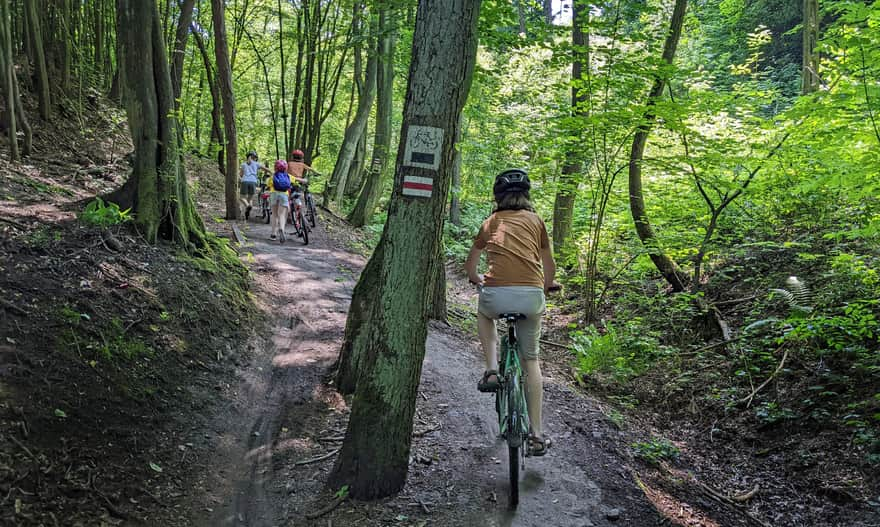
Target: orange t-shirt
x=297 y=168
x=513 y=240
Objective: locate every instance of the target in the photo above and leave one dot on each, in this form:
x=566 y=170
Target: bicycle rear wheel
x=514 y=434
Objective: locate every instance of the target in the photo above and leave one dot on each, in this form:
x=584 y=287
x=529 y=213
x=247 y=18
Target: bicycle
x=311 y=213
x=296 y=216
x=510 y=403
x=265 y=209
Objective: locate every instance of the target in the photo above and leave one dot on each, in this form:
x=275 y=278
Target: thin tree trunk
x=355 y=130
x=216 y=102
x=7 y=69
x=454 y=201
x=180 y=38
x=563 y=205
x=387 y=323
x=356 y=172
x=224 y=77
x=667 y=267
x=810 y=67
x=41 y=75
x=372 y=189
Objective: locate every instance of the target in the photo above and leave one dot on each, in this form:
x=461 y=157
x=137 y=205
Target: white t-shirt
x=250 y=170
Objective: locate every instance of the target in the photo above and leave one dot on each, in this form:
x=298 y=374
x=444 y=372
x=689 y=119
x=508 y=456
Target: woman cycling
x=521 y=269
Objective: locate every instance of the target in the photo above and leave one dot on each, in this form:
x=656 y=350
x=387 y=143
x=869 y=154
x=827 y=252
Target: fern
x=797 y=295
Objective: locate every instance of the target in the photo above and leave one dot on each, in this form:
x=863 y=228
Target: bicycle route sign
x=424 y=145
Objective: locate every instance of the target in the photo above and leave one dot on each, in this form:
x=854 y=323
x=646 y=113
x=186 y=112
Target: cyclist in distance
x=297 y=169
x=521 y=270
x=249 y=179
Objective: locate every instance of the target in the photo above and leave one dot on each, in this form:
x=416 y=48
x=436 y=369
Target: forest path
x=284 y=413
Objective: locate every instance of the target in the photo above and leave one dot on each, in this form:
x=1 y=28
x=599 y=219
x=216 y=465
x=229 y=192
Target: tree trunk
x=216 y=103
x=355 y=178
x=667 y=267
x=156 y=190
x=810 y=68
x=548 y=11
x=353 y=132
x=386 y=327
x=180 y=38
x=437 y=298
x=454 y=201
x=372 y=189
x=41 y=75
x=7 y=69
x=563 y=205
x=224 y=77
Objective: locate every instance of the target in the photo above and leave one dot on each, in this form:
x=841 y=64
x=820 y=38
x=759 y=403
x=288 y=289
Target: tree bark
x=563 y=205
x=7 y=69
x=667 y=267
x=180 y=38
x=375 y=180
x=810 y=63
x=355 y=178
x=41 y=75
x=224 y=77
x=156 y=190
x=386 y=328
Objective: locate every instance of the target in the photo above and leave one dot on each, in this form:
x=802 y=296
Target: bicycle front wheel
x=310 y=203
x=304 y=227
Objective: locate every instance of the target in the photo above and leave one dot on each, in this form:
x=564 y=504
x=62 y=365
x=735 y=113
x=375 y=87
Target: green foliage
x=771 y=413
x=102 y=214
x=620 y=352
x=656 y=450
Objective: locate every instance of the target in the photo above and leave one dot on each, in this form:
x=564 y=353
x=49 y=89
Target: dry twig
x=332 y=505
x=319 y=458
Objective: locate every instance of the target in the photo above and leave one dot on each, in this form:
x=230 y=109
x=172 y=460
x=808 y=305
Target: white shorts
x=529 y=301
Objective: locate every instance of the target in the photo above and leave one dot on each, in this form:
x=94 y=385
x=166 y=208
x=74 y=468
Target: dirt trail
x=283 y=418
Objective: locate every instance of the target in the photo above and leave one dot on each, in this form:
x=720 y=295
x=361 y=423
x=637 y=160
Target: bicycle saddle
x=511 y=317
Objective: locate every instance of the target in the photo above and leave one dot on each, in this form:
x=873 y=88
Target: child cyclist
x=297 y=169
x=278 y=199
x=521 y=270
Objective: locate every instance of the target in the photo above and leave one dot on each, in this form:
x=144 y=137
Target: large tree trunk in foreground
x=224 y=78
x=372 y=188
x=563 y=205
x=387 y=324
x=156 y=190
x=667 y=267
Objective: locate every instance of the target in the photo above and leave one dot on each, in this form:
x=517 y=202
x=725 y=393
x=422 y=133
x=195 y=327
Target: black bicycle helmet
x=252 y=154
x=512 y=180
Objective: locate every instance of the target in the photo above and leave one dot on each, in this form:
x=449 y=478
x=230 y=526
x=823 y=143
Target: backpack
x=281 y=182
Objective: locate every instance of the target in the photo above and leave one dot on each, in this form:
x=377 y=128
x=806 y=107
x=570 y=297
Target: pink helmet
x=281 y=166
x=297 y=155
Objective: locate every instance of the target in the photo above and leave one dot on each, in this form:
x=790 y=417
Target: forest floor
x=138 y=387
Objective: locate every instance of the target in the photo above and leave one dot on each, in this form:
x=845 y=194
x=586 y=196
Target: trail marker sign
x=420 y=187
x=423 y=147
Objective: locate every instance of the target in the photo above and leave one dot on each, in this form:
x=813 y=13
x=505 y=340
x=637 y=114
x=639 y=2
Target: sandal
x=538 y=446
x=487 y=385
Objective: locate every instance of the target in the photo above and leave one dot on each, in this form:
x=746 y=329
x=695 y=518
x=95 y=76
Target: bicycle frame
x=511 y=390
